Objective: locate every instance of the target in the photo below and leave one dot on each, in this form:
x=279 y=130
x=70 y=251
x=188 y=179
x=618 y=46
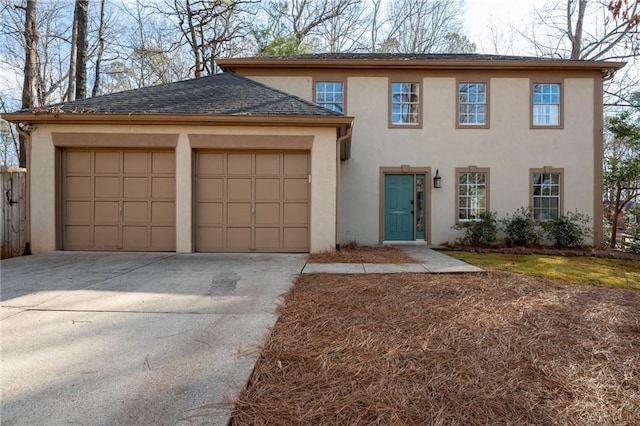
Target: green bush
x=482 y=232
x=519 y=229
x=567 y=231
x=635 y=243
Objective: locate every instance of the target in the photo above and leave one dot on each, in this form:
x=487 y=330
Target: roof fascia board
x=233 y=64
x=166 y=119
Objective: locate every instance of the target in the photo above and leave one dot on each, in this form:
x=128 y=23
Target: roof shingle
x=220 y=94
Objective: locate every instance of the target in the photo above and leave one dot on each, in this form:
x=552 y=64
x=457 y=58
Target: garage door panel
x=239 y=164
x=210 y=239
x=78 y=212
x=239 y=239
x=163 y=237
x=135 y=237
x=267 y=164
x=78 y=187
x=106 y=237
x=163 y=212
x=106 y=212
x=107 y=187
x=268 y=214
x=239 y=213
x=267 y=239
x=208 y=163
x=243 y=206
x=77 y=236
x=135 y=212
x=267 y=189
x=239 y=189
x=210 y=188
x=163 y=163
x=125 y=199
x=78 y=162
x=136 y=163
x=296 y=189
x=136 y=187
x=296 y=164
x=296 y=213
x=163 y=187
x=107 y=162
x=296 y=238
x=210 y=213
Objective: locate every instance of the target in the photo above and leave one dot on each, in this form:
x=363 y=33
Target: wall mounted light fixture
x=437 y=180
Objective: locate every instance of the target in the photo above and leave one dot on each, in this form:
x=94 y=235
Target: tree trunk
x=576 y=37
x=73 y=56
x=96 y=81
x=82 y=9
x=30 y=67
x=616 y=214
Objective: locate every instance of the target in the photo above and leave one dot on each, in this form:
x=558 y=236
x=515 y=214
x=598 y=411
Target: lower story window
x=546 y=196
x=473 y=193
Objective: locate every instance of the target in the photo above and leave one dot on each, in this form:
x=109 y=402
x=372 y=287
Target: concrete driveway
x=134 y=338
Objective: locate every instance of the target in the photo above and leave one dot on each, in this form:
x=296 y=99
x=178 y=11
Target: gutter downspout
x=339 y=142
x=27 y=141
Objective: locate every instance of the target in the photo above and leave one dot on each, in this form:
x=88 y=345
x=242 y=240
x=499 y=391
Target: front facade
x=263 y=158
x=492 y=133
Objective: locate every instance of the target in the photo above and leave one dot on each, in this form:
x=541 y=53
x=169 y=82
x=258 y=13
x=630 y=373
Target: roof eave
x=231 y=64
x=178 y=119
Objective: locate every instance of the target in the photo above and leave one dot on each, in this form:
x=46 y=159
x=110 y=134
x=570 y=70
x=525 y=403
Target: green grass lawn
x=572 y=269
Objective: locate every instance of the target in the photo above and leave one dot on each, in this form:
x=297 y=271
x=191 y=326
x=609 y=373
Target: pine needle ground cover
x=472 y=349
x=355 y=253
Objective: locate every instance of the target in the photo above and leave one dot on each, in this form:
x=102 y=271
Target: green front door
x=398 y=207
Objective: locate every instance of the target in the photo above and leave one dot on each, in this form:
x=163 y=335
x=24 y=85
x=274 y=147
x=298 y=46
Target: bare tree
x=344 y=32
x=30 y=67
x=73 y=56
x=100 y=51
x=422 y=26
x=81 y=15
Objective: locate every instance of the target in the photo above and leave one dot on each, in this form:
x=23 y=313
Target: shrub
x=635 y=243
x=482 y=232
x=519 y=229
x=567 y=231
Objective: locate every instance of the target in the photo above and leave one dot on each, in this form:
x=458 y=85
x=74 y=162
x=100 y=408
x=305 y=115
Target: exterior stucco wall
x=298 y=86
x=509 y=147
x=43 y=178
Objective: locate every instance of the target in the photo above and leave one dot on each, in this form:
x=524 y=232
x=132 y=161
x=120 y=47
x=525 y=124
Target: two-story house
x=299 y=154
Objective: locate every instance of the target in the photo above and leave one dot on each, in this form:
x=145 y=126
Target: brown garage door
x=252 y=201
x=118 y=200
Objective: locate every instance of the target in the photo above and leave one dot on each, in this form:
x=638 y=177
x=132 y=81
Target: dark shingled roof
x=220 y=94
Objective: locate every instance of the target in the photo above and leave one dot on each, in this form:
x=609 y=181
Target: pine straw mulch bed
x=355 y=253
x=472 y=349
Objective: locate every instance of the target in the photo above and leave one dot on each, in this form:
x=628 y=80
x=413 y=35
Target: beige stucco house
x=304 y=153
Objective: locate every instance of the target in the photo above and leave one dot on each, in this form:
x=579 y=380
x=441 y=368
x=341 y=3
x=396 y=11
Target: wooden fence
x=14 y=211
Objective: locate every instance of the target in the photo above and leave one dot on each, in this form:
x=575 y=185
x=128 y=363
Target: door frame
x=405 y=170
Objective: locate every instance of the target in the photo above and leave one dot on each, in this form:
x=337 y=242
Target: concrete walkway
x=430 y=262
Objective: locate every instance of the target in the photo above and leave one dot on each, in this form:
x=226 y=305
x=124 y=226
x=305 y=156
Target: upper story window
x=472 y=105
x=405 y=104
x=330 y=94
x=472 y=193
x=546 y=107
x=546 y=194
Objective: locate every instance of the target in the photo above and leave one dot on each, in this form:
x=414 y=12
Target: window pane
x=471 y=195
x=546 y=104
x=330 y=95
x=472 y=103
x=405 y=103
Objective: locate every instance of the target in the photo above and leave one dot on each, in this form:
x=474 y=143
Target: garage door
x=252 y=201
x=118 y=200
